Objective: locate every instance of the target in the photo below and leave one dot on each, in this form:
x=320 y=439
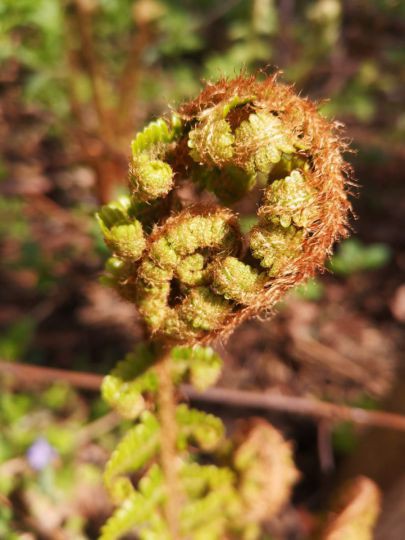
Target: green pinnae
x=204 y=310
x=126 y=240
x=114 y=213
x=115 y=266
x=153 y=274
x=211 y=142
x=150 y=178
x=206 y=430
x=162 y=252
x=116 y=271
x=152 y=303
x=287 y=164
x=125 y=385
x=265 y=138
x=236 y=280
x=276 y=247
x=154 y=133
x=200 y=231
x=229 y=184
x=191 y=270
x=122 y=233
x=236 y=101
x=290 y=200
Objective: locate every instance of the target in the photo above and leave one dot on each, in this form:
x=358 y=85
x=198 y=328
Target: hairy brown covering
x=193 y=275
x=329 y=175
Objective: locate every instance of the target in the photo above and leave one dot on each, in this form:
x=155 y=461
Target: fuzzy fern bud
x=290 y=201
x=235 y=280
x=261 y=140
x=122 y=233
x=211 y=143
x=150 y=178
x=195 y=276
x=267 y=470
x=276 y=247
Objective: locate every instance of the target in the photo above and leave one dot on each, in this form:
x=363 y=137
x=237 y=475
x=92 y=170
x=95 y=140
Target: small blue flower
x=40 y=454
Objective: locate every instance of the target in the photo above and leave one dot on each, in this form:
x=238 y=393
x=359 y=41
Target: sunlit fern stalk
x=168 y=442
x=193 y=277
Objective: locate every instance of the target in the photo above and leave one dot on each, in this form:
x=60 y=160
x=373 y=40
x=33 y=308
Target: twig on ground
x=301 y=406
x=325 y=448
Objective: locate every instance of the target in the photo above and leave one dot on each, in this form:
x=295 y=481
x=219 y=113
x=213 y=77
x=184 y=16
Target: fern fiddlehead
x=194 y=276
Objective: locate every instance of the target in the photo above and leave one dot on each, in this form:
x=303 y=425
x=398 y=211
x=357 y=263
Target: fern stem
x=167 y=417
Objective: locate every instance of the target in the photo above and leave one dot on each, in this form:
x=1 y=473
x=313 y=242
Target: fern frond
x=139 y=445
x=203 y=429
x=124 y=388
x=267 y=472
x=139 y=509
x=213 y=501
x=155 y=132
x=202 y=364
x=122 y=233
x=355 y=511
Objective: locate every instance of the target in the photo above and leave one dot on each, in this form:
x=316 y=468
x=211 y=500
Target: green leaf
x=156 y=132
x=134 y=451
x=139 y=510
x=353 y=256
x=199 y=427
x=203 y=365
x=125 y=386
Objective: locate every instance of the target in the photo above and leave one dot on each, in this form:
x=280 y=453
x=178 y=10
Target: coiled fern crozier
x=193 y=277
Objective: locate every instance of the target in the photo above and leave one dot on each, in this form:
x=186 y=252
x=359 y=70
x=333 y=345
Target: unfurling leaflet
x=354 y=512
x=179 y=255
x=255 y=470
x=188 y=268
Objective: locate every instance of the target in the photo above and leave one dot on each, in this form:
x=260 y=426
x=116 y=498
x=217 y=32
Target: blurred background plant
x=78 y=79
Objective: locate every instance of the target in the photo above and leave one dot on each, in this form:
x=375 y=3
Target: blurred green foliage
x=60 y=418
x=186 y=41
x=312 y=290
x=353 y=256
